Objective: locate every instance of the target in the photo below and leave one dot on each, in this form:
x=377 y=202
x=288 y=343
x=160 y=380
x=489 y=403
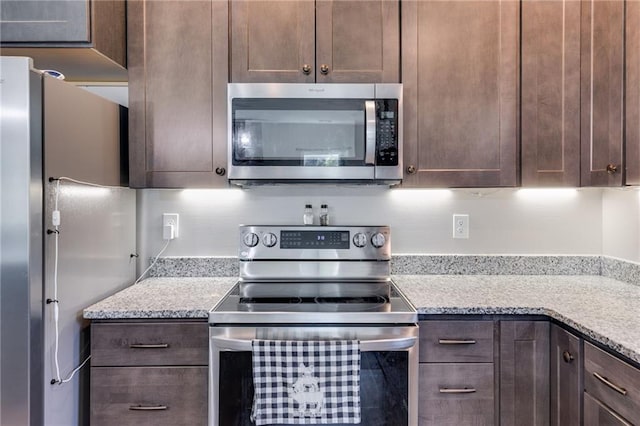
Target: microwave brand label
x=318 y=90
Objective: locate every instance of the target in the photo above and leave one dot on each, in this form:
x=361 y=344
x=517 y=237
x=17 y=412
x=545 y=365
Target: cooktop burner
x=234 y=308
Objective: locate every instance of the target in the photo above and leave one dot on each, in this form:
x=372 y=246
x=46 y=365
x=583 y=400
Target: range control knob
x=269 y=239
x=360 y=240
x=378 y=240
x=250 y=239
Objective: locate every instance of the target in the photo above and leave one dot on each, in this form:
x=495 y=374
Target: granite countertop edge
x=109 y=308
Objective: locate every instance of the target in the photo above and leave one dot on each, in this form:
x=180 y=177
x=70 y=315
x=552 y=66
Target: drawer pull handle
x=456 y=342
x=462 y=390
x=148 y=407
x=143 y=346
x=613 y=386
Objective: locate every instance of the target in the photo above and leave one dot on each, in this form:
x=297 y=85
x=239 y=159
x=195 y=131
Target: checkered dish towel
x=306 y=382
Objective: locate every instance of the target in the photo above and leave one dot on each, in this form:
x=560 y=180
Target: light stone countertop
x=602 y=308
x=165 y=297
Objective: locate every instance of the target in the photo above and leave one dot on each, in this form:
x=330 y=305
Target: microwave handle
x=370 y=117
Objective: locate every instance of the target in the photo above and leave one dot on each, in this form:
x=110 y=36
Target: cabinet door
x=272 y=41
x=45 y=21
x=358 y=41
x=632 y=95
x=550 y=93
x=524 y=373
x=566 y=378
x=177 y=54
x=602 y=92
x=597 y=414
x=460 y=74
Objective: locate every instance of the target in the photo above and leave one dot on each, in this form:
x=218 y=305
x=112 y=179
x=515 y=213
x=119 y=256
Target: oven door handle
x=404 y=343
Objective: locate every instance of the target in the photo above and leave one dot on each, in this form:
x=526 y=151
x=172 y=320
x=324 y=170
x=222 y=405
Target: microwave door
x=303 y=139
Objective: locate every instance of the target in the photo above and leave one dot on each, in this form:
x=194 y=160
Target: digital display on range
x=314 y=239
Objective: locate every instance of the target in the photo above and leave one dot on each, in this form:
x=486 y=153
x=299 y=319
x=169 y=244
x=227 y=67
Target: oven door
x=388 y=376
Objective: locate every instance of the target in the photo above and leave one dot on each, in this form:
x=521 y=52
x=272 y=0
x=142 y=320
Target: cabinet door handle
x=306 y=69
x=612 y=385
x=612 y=168
x=148 y=407
x=458 y=390
x=566 y=355
x=324 y=69
x=456 y=341
x=149 y=346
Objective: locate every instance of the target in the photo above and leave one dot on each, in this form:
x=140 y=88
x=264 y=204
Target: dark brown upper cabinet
x=574 y=129
x=460 y=65
x=178 y=73
x=602 y=92
x=83 y=39
x=550 y=110
x=306 y=41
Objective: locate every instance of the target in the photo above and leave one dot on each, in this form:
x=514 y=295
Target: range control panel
x=315 y=242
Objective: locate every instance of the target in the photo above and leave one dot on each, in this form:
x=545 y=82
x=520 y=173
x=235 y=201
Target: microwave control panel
x=387 y=132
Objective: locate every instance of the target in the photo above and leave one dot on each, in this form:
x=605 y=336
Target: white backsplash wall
x=621 y=223
x=502 y=221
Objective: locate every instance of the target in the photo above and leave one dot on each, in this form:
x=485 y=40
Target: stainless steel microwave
x=348 y=133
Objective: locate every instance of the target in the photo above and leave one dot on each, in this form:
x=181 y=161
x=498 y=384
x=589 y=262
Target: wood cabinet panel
x=45 y=21
x=86 y=40
x=272 y=40
x=171 y=396
x=456 y=341
x=632 y=94
x=524 y=373
x=612 y=381
x=358 y=40
x=565 y=378
x=550 y=113
x=460 y=73
x=122 y=344
x=177 y=92
x=456 y=394
x=602 y=55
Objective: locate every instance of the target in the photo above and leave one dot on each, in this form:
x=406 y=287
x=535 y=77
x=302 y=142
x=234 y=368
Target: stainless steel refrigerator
x=50 y=128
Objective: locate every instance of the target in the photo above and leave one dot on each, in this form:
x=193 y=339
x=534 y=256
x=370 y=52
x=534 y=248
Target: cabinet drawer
x=596 y=414
x=612 y=381
x=456 y=394
x=149 y=344
x=148 y=396
x=456 y=341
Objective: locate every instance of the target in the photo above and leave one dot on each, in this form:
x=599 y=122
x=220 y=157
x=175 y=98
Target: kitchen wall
x=621 y=223
x=502 y=221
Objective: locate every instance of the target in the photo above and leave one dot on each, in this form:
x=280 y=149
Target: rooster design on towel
x=306 y=392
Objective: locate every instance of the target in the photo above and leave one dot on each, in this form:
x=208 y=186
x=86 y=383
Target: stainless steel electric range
x=316 y=283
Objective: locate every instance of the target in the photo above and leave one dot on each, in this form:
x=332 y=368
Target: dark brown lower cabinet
x=524 y=373
x=598 y=414
x=457 y=373
x=156 y=396
x=565 y=378
x=149 y=373
x=456 y=394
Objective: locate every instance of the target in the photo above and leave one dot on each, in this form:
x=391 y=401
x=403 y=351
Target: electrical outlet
x=170 y=220
x=460 y=226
